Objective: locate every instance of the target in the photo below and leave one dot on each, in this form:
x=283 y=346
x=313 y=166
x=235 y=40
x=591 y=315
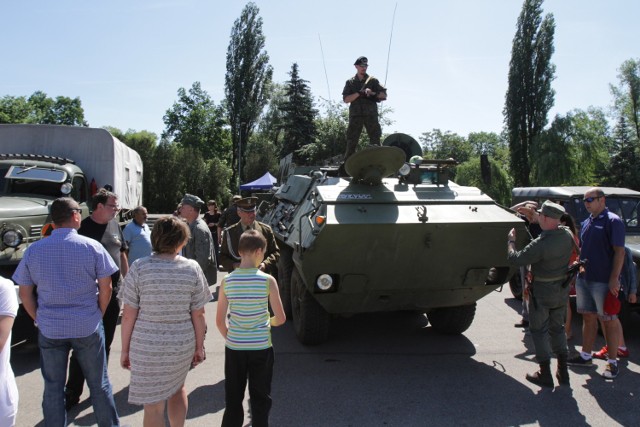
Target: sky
x=445 y=63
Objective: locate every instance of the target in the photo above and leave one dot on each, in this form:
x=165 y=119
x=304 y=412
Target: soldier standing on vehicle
x=548 y=256
x=229 y=255
x=363 y=92
x=602 y=236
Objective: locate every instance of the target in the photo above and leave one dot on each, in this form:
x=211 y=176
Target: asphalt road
x=389 y=370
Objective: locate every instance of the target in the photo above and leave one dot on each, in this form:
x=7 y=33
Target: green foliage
x=271 y=125
x=529 y=95
x=40 y=109
x=298 y=115
x=469 y=174
x=194 y=121
x=261 y=158
x=624 y=167
x=627 y=97
x=438 y=145
x=216 y=183
x=248 y=78
x=165 y=191
x=552 y=155
x=331 y=139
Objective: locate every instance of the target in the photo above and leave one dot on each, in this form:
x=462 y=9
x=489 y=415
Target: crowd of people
x=88 y=270
x=594 y=262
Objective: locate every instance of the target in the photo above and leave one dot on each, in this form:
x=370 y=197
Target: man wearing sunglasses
x=102 y=226
x=602 y=242
x=363 y=92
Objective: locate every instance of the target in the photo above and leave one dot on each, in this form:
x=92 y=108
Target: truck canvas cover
x=99 y=154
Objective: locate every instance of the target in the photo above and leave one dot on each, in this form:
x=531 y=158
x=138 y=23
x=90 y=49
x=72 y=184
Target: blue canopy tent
x=265 y=182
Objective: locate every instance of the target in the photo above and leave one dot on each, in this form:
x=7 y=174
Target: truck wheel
x=516 y=285
x=285 y=266
x=452 y=320
x=310 y=320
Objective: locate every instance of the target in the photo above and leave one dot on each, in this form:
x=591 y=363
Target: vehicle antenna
x=326 y=76
x=393 y=20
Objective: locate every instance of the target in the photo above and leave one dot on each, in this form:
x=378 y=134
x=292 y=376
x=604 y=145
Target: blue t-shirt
x=139 y=240
x=599 y=236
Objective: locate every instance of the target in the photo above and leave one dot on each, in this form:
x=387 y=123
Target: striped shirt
x=247 y=290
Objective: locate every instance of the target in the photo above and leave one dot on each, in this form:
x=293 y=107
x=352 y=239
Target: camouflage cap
x=248 y=204
x=191 y=200
x=552 y=210
x=361 y=61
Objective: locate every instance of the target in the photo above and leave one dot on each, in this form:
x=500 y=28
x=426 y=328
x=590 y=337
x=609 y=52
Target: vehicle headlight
x=324 y=282
x=12 y=238
x=405 y=169
x=66 y=188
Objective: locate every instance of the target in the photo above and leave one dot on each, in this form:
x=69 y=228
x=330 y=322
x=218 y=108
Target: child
x=246 y=294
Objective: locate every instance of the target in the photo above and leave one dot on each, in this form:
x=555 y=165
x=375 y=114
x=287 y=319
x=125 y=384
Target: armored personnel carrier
x=393 y=235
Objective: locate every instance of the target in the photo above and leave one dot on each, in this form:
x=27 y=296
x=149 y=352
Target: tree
x=14 y=109
x=166 y=178
x=438 y=145
x=469 y=173
x=627 y=96
x=552 y=155
x=331 y=135
x=271 y=125
x=248 y=79
x=298 y=115
x=40 y=109
x=529 y=95
x=194 y=121
x=623 y=168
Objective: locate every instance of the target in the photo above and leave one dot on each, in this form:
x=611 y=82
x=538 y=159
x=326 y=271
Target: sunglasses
x=590 y=199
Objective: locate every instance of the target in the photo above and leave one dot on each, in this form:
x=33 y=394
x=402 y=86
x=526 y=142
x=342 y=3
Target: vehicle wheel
x=285 y=266
x=310 y=320
x=516 y=286
x=452 y=320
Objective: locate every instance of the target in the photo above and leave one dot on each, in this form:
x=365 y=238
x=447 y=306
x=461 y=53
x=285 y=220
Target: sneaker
x=603 y=354
x=579 y=361
x=611 y=371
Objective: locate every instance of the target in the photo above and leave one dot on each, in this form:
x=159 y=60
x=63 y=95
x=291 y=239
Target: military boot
x=562 y=373
x=543 y=377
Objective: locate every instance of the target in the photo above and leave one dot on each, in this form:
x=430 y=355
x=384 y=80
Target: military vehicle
x=393 y=235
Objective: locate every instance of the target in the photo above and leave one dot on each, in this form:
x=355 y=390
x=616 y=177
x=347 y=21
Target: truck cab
x=28 y=185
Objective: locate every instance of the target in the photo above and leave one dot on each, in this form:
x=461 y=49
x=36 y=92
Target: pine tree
x=298 y=115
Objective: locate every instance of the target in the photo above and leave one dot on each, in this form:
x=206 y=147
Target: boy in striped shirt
x=244 y=321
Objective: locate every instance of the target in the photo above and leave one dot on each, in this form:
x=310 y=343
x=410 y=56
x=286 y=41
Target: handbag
x=611 y=305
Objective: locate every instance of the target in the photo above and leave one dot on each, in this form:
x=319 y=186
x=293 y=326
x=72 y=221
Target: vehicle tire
x=515 y=284
x=285 y=266
x=452 y=320
x=310 y=320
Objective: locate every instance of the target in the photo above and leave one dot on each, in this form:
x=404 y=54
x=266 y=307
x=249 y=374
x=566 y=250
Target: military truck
x=624 y=202
x=393 y=235
x=43 y=162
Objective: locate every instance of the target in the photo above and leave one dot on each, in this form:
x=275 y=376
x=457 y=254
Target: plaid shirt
x=65 y=267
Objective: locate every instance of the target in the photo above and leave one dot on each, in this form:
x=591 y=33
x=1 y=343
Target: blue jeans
x=90 y=352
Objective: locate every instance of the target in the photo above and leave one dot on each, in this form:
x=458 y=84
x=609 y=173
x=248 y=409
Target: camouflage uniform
x=363 y=112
